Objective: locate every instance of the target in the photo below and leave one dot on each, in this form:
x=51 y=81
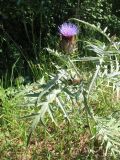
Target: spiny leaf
x=38 y=117
x=62 y=106
x=93 y=27
x=33 y=126
x=51 y=84
x=51 y=115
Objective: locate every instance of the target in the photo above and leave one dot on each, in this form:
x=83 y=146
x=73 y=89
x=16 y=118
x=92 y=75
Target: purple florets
x=68 y=29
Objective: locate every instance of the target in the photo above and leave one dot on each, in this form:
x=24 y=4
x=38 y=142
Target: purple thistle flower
x=68 y=30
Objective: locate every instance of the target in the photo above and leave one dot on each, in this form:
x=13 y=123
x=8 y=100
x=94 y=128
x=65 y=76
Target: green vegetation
x=55 y=105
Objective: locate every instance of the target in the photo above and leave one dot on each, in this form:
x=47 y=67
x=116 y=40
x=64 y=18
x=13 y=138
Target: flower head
x=68 y=29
